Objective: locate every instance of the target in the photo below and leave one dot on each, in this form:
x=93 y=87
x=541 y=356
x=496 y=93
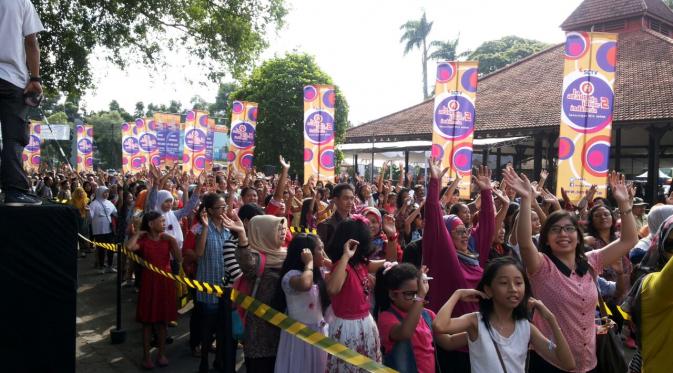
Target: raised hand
x=232 y=222
x=349 y=248
x=434 y=165
x=306 y=257
x=203 y=218
x=536 y=304
x=423 y=286
x=591 y=192
x=618 y=186
x=389 y=226
x=471 y=295
x=519 y=184
x=501 y=196
x=284 y=163
x=483 y=178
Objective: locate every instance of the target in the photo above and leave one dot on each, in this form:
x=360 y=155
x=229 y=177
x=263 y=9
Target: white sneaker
x=102 y=271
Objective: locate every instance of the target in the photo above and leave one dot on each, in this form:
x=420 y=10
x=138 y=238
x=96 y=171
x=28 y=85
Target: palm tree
x=444 y=50
x=414 y=36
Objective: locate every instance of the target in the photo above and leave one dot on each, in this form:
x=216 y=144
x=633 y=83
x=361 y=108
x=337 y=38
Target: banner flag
x=453 y=120
x=210 y=137
x=148 y=141
x=31 y=153
x=586 y=113
x=221 y=145
x=168 y=138
x=319 y=102
x=242 y=139
x=196 y=132
x=84 y=147
x=132 y=158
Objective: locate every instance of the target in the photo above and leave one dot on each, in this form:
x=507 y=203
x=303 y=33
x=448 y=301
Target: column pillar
x=655 y=135
x=551 y=167
x=498 y=165
x=520 y=153
x=484 y=157
x=618 y=149
x=537 y=157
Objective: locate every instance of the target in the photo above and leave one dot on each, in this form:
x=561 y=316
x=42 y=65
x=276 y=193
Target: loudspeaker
x=38 y=276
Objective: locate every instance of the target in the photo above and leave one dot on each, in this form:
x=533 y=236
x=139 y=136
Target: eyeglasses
x=461 y=231
x=219 y=207
x=556 y=229
x=408 y=295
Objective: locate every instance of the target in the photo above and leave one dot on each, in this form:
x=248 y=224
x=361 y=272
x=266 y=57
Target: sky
x=356 y=43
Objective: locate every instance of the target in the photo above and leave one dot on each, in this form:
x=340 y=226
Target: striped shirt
x=231 y=269
x=210 y=267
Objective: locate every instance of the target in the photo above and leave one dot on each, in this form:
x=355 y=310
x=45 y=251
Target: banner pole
x=118 y=335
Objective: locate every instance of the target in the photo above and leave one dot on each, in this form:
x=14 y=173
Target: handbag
x=609 y=348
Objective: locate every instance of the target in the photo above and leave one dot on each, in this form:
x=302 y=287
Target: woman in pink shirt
x=349 y=288
x=561 y=273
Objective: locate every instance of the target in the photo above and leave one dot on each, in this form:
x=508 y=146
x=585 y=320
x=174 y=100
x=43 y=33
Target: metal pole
x=118 y=335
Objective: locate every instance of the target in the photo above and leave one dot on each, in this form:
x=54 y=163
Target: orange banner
x=31 y=153
x=196 y=133
x=453 y=120
x=241 y=154
x=319 y=103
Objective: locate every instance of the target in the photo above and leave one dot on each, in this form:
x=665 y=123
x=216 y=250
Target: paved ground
x=96 y=316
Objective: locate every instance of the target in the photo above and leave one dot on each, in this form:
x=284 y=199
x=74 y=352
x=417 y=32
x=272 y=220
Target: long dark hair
x=293 y=262
x=305 y=207
x=355 y=229
x=490 y=272
x=580 y=257
x=400 y=197
x=209 y=200
x=592 y=231
x=391 y=280
x=147 y=218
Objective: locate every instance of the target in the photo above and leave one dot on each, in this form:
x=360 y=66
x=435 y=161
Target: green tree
x=58 y=118
x=222 y=105
x=140 y=110
x=444 y=50
x=221 y=35
x=107 y=138
x=277 y=86
x=495 y=54
x=198 y=103
x=669 y=3
x=415 y=34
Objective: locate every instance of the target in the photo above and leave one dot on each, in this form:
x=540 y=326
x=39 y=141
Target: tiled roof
x=595 y=11
x=527 y=94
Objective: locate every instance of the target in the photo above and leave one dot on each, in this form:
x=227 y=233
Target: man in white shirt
x=19 y=76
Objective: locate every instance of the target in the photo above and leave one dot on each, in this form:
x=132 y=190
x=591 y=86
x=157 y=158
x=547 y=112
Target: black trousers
x=102 y=253
x=539 y=365
x=217 y=320
x=14 y=137
x=453 y=361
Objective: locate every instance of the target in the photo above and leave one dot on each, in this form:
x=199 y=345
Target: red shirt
x=421 y=341
x=351 y=303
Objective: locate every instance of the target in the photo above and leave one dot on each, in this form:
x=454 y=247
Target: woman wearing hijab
x=162 y=202
x=658 y=214
x=101 y=211
x=265 y=237
x=80 y=201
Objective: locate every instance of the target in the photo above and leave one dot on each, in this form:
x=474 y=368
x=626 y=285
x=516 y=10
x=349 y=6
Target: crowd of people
x=405 y=272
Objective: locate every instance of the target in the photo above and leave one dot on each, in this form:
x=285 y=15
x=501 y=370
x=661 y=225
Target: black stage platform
x=38 y=288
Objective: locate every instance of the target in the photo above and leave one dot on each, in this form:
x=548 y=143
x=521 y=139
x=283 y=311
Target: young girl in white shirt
x=500 y=333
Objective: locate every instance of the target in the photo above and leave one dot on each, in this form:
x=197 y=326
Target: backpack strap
x=261 y=263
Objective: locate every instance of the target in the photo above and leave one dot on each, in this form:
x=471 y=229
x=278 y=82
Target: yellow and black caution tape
x=265 y=312
x=297 y=230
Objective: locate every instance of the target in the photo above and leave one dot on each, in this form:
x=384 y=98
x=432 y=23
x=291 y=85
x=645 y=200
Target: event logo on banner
x=132 y=158
x=586 y=113
x=242 y=137
x=147 y=140
x=168 y=138
x=84 y=148
x=31 y=153
x=319 y=160
x=453 y=120
x=196 y=133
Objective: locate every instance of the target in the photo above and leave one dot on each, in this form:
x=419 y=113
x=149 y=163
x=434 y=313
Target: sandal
x=162 y=362
x=147 y=365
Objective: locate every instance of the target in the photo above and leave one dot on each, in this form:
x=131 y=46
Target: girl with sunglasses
x=405 y=325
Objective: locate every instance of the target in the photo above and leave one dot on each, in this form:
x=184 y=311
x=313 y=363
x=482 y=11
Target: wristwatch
x=36 y=79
